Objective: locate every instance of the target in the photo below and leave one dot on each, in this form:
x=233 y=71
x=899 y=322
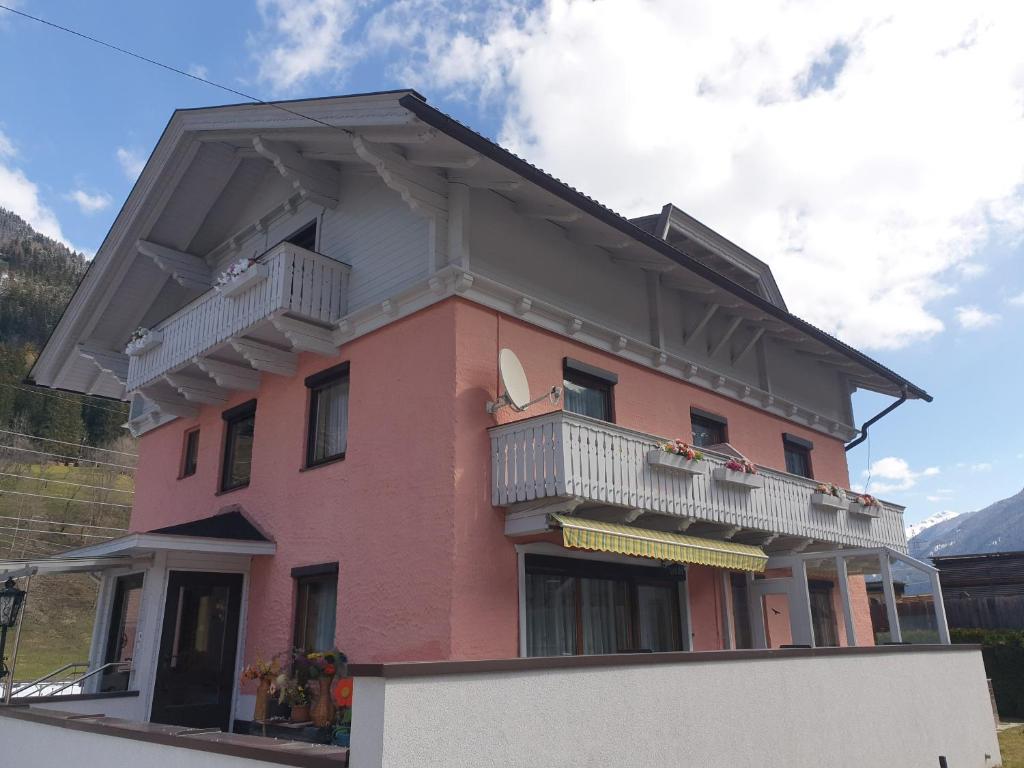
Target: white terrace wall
x=873 y=708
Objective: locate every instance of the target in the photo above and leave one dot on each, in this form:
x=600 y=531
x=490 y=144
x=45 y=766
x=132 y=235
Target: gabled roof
x=226 y=525
x=448 y=125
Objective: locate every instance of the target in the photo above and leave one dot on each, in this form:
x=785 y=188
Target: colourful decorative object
x=342 y=692
x=741 y=465
x=828 y=489
x=679 y=448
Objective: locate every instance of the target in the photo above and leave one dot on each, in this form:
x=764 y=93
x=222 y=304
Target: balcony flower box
x=675 y=462
x=142 y=341
x=747 y=481
x=235 y=284
x=828 y=502
x=866 y=506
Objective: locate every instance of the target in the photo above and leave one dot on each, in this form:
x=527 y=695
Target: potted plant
x=829 y=496
x=320 y=668
x=867 y=505
x=295 y=695
x=341 y=692
x=678 y=456
x=142 y=340
x=264 y=673
x=241 y=275
x=739 y=473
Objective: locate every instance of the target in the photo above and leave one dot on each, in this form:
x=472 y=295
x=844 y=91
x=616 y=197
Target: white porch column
x=728 y=632
x=940 y=609
x=895 y=635
x=800 y=621
x=844 y=593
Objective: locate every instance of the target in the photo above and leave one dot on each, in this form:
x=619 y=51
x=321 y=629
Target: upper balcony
x=288 y=301
x=565 y=462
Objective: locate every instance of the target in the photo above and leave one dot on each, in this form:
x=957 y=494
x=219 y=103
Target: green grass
x=58 y=616
x=1011 y=744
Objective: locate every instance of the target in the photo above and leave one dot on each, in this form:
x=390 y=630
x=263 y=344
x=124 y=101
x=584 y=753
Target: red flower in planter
x=342 y=692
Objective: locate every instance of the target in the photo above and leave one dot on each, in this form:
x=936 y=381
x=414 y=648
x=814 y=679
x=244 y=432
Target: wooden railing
x=297 y=282
x=565 y=455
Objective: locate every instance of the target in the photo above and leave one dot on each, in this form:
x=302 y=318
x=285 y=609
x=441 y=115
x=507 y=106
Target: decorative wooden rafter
x=306 y=337
x=107 y=361
x=187 y=270
x=709 y=313
x=197 y=390
x=729 y=331
x=424 y=192
x=264 y=357
x=314 y=181
x=229 y=375
x=171 y=405
x=748 y=346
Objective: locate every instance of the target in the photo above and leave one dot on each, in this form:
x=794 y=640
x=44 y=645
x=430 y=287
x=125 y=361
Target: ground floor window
x=121 y=633
x=316 y=602
x=577 y=606
x=744 y=634
x=823 y=614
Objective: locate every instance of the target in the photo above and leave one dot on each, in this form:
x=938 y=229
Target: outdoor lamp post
x=11 y=599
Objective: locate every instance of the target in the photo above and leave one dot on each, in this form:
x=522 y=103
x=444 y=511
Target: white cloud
x=982 y=466
x=198 y=70
x=1018 y=300
x=815 y=135
x=132 y=162
x=89 y=202
x=893 y=474
x=302 y=39
x=21 y=195
x=974 y=318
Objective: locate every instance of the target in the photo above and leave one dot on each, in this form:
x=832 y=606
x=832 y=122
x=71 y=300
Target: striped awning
x=579 y=533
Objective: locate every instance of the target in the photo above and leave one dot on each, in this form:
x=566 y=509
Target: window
x=576 y=606
x=707 y=428
x=798 y=455
x=121 y=632
x=823 y=615
x=316 y=601
x=238 y=440
x=327 y=431
x=744 y=635
x=305 y=237
x=588 y=390
x=191 y=457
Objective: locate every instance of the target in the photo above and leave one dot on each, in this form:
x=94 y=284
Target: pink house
x=327 y=457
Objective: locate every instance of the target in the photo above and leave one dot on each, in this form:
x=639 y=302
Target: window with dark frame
x=190 y=460
x=744 y=634
x=588 y=390
x=327 y=429
x=576 y=606
x=305 y=237
x=707 y=428
x=316 y=603
x=240 y=426
x=798 y=455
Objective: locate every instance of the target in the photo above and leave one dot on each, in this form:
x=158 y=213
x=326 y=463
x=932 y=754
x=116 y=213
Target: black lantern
x=11 y=599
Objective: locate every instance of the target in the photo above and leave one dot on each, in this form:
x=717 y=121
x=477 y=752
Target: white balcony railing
x=565 y=455
x=291 y=281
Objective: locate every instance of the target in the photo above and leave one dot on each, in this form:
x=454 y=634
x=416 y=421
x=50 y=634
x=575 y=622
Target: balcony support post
x=940 y=608
x=895 y=635
x=844 y=592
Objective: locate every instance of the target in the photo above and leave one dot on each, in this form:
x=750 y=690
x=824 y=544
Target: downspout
x=864 y=428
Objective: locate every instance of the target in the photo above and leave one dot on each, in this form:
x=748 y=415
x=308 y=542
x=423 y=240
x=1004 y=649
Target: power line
x=171 y=68
x=65 y=482
x=66 y=458
x=47 y=521
x=55 y=396
x=65 y=498
x=57 y=533
x=65 y=442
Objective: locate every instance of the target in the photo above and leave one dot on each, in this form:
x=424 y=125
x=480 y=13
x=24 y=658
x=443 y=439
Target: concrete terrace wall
x=870 y=708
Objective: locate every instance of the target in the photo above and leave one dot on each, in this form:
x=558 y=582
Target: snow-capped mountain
x=928 y=522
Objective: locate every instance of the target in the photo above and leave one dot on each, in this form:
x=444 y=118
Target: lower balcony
x=287 y=301
x=562 y=462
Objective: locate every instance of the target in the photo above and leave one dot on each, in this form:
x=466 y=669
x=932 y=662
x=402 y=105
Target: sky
x=872 y=153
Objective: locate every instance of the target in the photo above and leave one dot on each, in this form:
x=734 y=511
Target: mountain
x=928 y=522
x=998 y=527
x=38 y=275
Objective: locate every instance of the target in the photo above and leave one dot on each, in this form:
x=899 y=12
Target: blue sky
x=870 y=154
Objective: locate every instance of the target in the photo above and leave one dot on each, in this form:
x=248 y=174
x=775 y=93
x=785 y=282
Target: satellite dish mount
x=517 y=389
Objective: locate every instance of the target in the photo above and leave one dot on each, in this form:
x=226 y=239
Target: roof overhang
x=136 y=544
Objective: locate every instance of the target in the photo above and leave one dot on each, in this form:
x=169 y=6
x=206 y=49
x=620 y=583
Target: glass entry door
x=196 y=669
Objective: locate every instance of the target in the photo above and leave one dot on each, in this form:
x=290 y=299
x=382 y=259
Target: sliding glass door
x=576 y=606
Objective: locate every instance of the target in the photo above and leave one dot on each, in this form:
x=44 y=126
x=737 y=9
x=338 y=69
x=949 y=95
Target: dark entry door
x=196 y=669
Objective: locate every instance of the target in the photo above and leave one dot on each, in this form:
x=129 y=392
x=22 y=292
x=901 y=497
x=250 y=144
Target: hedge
x=1003 y=652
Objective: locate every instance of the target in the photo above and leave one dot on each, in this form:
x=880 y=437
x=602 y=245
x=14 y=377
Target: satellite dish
x=513 y=378
x=517 y=389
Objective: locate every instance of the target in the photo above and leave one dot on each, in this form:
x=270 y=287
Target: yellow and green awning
x=579 y=533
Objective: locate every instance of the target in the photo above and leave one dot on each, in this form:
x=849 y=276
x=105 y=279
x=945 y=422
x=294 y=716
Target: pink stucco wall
x=425 y=571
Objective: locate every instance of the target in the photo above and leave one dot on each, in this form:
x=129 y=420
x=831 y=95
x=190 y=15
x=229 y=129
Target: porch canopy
x=580 y=533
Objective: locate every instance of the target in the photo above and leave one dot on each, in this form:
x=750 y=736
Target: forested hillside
x=37 y=277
